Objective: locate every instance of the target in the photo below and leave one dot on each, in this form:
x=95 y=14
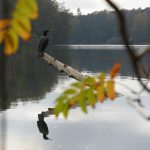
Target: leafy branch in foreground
x=87 y=92
x=19 y=25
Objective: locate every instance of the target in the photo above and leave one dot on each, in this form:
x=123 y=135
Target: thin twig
x=140 y=110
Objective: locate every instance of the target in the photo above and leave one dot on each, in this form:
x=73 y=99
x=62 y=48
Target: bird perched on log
x=43 y=42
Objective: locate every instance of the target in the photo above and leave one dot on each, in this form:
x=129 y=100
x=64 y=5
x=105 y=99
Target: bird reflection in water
x=42 y=126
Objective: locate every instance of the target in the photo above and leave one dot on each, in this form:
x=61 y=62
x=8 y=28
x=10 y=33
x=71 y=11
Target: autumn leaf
x=102 y=77
x=32 y=4
x=115 y=70
x=101 y=92
x=23 y=21
x=8 y=46
x=27 y=11
x=87 y=93
x=11 y=42
x=21 y=31
x=111 y=89
x=19 y=25
x=2 y=34
x=4 y=23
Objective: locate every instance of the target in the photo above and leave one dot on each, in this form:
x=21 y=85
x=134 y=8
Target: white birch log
x=71 y=72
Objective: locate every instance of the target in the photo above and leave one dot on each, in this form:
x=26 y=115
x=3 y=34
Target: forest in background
x=102 y=27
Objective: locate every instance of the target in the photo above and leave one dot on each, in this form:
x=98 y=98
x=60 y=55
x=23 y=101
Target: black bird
x=43 y=42
x=41 y=124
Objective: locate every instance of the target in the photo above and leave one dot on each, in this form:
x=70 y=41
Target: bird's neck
x=45 y=34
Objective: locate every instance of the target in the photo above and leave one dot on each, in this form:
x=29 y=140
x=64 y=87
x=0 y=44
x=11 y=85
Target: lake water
x=111 y=125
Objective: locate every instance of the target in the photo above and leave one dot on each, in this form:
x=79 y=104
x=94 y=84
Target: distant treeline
x=102 y=27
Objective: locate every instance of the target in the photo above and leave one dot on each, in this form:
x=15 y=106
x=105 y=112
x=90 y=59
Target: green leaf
x=58 y=108
x=89 y=81
x=82 y=102
x=66 y=109
x=76 y=84
x=91 y=97
x=70 y=91
x=60 y=104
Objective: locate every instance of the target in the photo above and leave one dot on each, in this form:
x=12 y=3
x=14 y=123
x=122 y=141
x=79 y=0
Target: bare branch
x=136 y=104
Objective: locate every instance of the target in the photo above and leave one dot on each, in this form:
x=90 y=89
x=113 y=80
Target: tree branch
x=136 y=105
x=130 y=49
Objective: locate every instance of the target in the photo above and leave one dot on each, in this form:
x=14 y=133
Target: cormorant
x=43 y=42
x=41 y=124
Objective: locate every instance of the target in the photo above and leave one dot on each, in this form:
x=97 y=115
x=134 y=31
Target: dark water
x=34 y=87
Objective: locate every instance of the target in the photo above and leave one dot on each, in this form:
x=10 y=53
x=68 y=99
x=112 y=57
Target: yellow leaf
x=111 y=89
x=13 y=38
x=11 y=42
x=23 y=20
x=32 y=4
x=19 y=25
x=102 y=76
x=4 y=23
x=101 y=92
x=21 y=31
x=115 y=70
x=25 y=10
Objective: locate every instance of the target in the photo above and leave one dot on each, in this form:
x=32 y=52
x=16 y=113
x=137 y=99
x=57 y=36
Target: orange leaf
x=8 y=48
x=4 y=23
x=2 y=35
x=101 y=92
x=11 y=42
x=111 y=90
x=115 y=70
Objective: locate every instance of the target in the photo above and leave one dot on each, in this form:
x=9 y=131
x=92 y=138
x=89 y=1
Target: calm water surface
x=112 y=125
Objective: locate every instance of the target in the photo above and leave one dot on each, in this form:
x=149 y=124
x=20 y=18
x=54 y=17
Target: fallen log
x=61 y=67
